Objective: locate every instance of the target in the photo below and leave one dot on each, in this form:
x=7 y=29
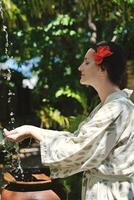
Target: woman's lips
x=82 y=75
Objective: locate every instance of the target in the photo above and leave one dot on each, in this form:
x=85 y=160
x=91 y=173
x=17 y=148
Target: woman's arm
x=27 y=131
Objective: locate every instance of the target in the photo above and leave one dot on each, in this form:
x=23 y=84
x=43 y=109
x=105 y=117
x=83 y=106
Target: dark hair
x=115 y=64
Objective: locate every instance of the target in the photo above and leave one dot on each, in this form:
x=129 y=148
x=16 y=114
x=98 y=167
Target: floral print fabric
x=101 y=147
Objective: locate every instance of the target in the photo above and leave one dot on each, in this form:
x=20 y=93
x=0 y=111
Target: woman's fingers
x=6 y=132
x=13 y=135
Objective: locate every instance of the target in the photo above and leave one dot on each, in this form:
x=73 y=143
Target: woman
x=103 y=144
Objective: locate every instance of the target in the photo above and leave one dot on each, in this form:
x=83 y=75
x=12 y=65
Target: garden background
x=43 y=43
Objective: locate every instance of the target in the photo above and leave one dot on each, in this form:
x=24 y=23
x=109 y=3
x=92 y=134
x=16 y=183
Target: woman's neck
x=105 y=90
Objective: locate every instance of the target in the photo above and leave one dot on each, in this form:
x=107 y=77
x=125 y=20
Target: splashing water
x=11 y=162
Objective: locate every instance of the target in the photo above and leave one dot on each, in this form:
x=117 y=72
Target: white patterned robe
x=102 y=147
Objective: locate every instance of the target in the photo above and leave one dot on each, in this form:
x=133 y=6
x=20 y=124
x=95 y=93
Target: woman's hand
x=24 y=132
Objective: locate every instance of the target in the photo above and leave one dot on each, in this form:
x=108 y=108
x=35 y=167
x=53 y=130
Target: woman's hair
x=115 y=64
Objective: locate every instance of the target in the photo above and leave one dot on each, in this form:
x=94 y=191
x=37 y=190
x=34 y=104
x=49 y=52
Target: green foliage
x=52 y=118
x=124 y=1
x=73 y=185
x=58 y=67
x=81 y=98
x=13 y=14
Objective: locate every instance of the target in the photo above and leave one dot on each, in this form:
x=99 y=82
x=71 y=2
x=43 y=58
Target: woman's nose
x=80 y=67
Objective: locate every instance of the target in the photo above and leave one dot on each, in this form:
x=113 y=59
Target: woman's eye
x=87 y=63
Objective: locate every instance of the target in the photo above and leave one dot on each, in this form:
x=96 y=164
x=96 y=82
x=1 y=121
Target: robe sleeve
x=67 y=154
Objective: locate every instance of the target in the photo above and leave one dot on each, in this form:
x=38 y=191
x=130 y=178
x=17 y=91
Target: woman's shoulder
x=121 y=103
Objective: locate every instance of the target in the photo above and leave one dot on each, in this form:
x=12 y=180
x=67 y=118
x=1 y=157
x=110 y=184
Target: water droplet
x=11 y=114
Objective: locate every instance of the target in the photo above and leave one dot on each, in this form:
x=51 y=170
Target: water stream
x=4 y=28
x=12 y=164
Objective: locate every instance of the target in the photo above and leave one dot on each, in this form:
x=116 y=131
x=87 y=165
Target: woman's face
x=89 y=69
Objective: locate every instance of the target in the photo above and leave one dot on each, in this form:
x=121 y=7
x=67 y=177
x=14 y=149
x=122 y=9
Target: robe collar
x=121 y=93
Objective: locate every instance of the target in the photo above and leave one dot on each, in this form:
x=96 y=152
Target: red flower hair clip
x=102 y=52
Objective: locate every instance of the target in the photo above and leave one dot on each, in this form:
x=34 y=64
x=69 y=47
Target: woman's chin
x=82 y=82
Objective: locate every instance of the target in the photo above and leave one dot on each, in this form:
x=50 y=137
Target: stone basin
x=33 y=184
